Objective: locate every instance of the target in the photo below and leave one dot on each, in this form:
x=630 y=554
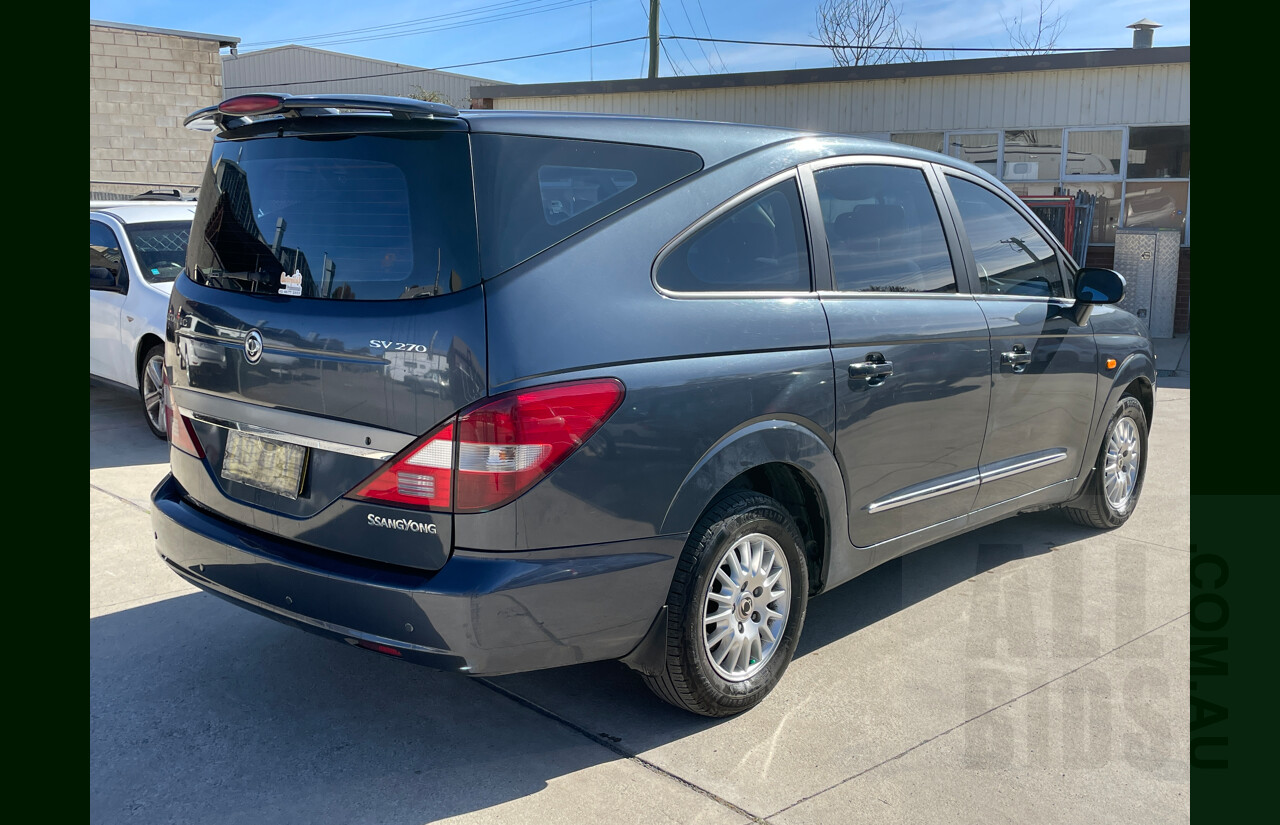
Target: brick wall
x=141 y=87
x=1104 y=256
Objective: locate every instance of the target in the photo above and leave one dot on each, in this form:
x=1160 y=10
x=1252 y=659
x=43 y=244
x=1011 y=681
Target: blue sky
x=547 y=25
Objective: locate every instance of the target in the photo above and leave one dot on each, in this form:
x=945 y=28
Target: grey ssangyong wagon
x=497 y=391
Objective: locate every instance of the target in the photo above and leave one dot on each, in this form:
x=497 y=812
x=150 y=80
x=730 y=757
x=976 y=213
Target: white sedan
x=136 y=250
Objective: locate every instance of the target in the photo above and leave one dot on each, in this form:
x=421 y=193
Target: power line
x=671 y=28
x=442 y=68
x=509 y=14
x=710 y=68
x=716 y=46
x=884 y=48
x=415 y=21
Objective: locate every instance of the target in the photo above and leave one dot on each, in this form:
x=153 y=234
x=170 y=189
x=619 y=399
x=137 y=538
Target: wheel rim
x=1124 y=456
x=746 y=608
x=153 y=391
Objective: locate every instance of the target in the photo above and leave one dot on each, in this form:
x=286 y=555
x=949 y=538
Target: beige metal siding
x=1131 y=95
x=301 y=70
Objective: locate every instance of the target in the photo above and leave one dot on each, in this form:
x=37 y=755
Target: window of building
x=1159 y=152
x=1032 y=154
x=933 y=141
x=883 y=230
x=982 y=149
x=757 y=246
x=1094 y=152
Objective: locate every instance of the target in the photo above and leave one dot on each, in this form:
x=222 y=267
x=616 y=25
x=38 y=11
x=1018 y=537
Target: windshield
x=161 y=248
x=346 y=217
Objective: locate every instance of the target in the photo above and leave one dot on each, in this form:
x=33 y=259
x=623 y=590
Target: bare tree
x=1037 y=32
x=420 y=93
x=864 y=32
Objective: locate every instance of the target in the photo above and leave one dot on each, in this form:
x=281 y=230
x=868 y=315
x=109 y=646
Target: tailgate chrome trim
x=288 y=438
x=347 y=437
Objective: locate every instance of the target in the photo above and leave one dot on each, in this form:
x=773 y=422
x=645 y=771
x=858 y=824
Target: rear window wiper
x=235 y=280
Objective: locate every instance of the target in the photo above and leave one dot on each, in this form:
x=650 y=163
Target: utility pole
x=653 y=38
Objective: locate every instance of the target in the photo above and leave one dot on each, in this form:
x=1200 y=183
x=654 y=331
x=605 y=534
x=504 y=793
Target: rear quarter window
x=758 y=245
x=534 y=192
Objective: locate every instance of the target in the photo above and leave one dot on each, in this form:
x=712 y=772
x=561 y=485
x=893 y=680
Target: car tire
x=1116 y=481
x=151 y=390
x=746 y=544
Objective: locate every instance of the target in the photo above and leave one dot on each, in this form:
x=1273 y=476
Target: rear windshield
x=346 y=217
x=161 y=248
x=533 y=192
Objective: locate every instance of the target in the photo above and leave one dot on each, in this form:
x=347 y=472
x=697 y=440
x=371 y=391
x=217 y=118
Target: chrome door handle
x=1018 y=359
x=875 y=369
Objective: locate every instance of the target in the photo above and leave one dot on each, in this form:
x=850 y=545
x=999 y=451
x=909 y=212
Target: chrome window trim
x=718 y=211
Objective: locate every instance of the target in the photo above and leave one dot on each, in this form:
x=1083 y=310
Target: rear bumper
x=482 y=613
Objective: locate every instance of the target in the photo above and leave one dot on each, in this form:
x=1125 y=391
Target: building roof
x=1112 y=58
x=220 y=39
x=384 y=65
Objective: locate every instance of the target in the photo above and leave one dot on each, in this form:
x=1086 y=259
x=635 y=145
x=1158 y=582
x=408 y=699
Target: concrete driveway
x=1032 y=671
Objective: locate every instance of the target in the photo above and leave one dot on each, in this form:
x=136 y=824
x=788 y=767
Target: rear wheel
x=151 y=388
x=1116 y=482
x=736 y=608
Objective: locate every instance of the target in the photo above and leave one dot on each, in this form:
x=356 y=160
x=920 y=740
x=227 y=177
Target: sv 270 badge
x=397 y=346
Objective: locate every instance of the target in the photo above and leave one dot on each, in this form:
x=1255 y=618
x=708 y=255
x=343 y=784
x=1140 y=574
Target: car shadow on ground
x=118 y=433
x=202 y=712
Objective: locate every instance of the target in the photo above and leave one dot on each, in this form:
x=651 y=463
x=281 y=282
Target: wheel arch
x=783 y=459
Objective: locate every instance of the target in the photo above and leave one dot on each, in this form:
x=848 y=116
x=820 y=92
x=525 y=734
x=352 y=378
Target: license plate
x=260 y=462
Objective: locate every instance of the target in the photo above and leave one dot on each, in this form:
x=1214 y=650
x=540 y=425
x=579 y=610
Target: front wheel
x=151 y=388
x=1112 y=492
x=735 y=609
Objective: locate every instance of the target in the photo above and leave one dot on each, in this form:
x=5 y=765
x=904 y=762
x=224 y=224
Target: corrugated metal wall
x=301 y=70
x=1132 y=95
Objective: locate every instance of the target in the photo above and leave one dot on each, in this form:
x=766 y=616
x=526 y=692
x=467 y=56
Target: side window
x=534 y=192
x=1012 y=257
x=758 y=246
x=883 y=230
x=104 y=250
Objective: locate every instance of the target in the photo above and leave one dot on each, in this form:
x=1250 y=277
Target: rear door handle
x=875 y=369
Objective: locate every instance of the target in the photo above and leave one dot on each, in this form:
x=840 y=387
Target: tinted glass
x=350 y=217
x=104 y=249
x=1012 y=257
x=758 y=246
x=533 y=192
x=883 y=230
x=161 y=248
x=1160 y=152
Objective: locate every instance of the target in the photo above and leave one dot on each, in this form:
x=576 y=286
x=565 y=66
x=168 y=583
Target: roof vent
x=1142 y=32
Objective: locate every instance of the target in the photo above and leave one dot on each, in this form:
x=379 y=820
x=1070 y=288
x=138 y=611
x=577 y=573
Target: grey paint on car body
x=717 y=388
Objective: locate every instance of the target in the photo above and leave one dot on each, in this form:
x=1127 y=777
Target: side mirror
x=1096 y=286
x=101 y=278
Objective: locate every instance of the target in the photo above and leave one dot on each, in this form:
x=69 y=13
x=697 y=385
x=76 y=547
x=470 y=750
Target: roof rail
x=243 y=109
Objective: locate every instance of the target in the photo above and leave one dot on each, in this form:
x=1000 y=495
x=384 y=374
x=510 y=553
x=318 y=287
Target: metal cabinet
x=1148 y=260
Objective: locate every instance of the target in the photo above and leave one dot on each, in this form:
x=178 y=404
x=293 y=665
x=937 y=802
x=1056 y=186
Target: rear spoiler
x=243 y=109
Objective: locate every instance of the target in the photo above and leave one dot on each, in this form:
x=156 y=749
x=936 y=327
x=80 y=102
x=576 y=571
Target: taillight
x=495 y=452
x=422 y=476
x=512 y=442
x=178 y=426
